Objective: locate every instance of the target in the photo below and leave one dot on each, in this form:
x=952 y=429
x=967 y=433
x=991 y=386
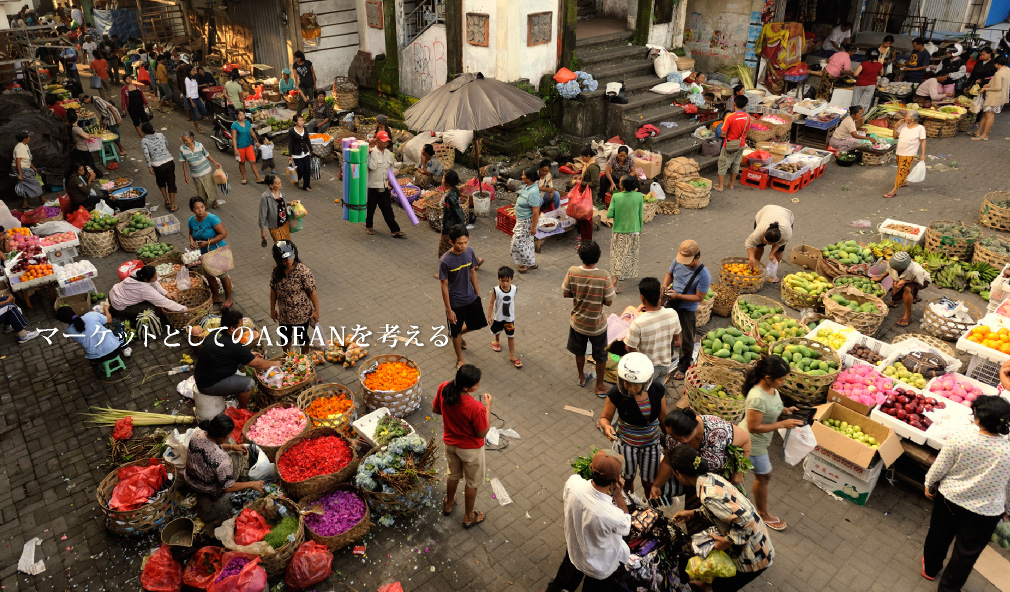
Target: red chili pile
x=312 y=457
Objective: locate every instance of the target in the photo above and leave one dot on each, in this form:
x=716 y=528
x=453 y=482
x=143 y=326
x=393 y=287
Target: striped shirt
x=737 y=520
x=652 y=333
x=199 y=164
x=590 y=290
x=635 y=435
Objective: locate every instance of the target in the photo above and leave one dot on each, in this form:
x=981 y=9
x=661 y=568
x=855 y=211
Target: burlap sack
x=680 y=167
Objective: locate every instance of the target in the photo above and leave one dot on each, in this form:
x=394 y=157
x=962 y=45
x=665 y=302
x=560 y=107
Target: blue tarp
x=999 y=10
x=123 y=22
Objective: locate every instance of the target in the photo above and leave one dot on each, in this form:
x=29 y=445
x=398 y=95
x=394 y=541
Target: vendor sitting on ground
x=773 y=225
x=140 y=291
x=931 y=91
x=90 y=329
x=12 y=320
x=79 y=187
x=429 y=172
x=909 y=277
x=213 y=469
x=846 y=136
x=220 y=358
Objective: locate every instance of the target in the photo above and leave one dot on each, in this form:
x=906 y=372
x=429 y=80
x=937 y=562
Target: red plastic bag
x=33 y=216
x=580 y=203
x=123 y=428
x=799 y=70
x=566 y=169
x=162 y=573
x=615 y=140
x=65 y=205
x=252 y=577
x=564 y=75
x=310 y=565
x=203 y=567
x=79 y=217
x=690 y=108
x=394 y=587
x=136 y=484
x=126 y=269
x=239 y=417
x=250 y=527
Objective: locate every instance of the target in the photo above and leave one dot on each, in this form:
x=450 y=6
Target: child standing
x=501 y=313
x=267 y=155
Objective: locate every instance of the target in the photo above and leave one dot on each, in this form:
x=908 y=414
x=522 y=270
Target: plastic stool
x=754 y=179
x=110 y=366
x=109 y=152
x=786 y=186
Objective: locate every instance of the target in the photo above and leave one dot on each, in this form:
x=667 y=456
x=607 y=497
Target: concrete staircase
x=586 y=9
x=609 y=58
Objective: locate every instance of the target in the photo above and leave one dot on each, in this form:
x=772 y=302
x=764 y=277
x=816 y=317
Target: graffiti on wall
x=427 y=62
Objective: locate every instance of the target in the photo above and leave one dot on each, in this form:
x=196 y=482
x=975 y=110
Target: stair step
x=625 y=71
x=618 y=39
x=586 y=13
x=610 y=55
x=656 y=113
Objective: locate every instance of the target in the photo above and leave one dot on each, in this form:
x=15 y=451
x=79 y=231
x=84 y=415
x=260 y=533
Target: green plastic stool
x=109 y=152
x=109 y=366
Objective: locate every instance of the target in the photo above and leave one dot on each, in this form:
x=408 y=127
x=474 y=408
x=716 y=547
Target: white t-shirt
x=504 y=310
x=836 y=35
x=192 y=89
x=266 y=151
x=593 y=529
x=90 y=48
x=908 y=140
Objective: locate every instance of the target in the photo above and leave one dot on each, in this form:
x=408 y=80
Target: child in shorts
x=267 y=155
x=501 y=313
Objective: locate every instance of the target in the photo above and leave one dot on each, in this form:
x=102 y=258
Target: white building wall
x=339 y=38
x=423 y=66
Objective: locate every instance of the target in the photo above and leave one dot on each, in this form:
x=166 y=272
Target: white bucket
x=206 y=406
x=482 y=203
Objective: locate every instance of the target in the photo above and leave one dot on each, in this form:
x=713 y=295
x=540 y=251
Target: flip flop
x=462 y=344
x=589 y=375
x=924 y=574
x=479 y=263
x=903 y=322
x=369 y=231
x=399 y=235
x=777 y=525
x=173 y=209
x=478 y=517
x=517 y=363
x=495 y=346
x=449 y=511
x=889 y=195
x=677 y=376
x=244 y=182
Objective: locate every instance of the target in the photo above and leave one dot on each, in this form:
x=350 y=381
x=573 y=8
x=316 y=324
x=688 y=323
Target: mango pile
x=863 y=284
x=803 y=359
x=855 y=306
x=778 y=327
x=755 y=311
x=731 y=343
x=848 y=253
x=808 y=283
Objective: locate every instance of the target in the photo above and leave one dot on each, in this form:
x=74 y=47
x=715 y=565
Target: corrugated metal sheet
x=999 y=11
x=949 y=14
x=269 y=42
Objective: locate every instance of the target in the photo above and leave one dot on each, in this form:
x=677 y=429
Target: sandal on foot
x=924 y=574
x=889 y=195
x=446 y=512
x=585 y=380
x=776 y=525
x=677 y=375
x=903 y=322
x=399 y=235
x=495 y=346
x=517 y=363
x=462 y=344
x=369 y=231
x=478 y=517
x=479 y=263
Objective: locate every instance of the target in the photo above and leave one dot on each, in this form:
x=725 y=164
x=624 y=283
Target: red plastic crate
x=805 y=179
x=506 y=222
x=754 y=179
x=786 y=186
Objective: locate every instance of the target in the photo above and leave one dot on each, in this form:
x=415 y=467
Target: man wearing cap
x=380 y=159
x=687 y=282
x=909 y=277
x=596 y=519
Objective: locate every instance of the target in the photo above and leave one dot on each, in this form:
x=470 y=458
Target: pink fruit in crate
x=956 y=398
x=901 y=414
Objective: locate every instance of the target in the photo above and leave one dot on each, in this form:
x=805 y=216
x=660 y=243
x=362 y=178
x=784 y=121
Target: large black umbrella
x=471 y=102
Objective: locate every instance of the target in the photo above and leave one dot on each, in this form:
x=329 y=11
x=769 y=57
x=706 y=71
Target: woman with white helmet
x=640 y=405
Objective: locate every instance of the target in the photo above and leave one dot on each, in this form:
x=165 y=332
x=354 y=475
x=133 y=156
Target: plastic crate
x=779 y=174
x=884 y=349
x=505 y=221
x=167 y=224
x=822 y=125
x=994 y=322
x=82 y=287
x=983 y=370
x=902 y=238
x=824 y=155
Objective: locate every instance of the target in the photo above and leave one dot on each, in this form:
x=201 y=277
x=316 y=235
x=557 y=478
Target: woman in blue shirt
x=207 y=232
x=100 y=343
x=286 y=83
x=244 y=141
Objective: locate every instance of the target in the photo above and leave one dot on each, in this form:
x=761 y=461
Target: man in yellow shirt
x=164 y=88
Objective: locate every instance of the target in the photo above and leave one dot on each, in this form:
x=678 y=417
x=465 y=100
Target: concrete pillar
x=569 y=13
x=643 y=20
x=453 y=39
x=389 y=77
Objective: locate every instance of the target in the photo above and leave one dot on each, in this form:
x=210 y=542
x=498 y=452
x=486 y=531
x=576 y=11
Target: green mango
x=738 y=358
x=722 y=353
x=738 y=347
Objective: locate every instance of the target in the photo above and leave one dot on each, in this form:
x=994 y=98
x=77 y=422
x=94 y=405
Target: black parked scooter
x=222 y=132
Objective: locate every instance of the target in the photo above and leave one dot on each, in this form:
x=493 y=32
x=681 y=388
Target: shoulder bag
x=219 y=261
x=674 y=304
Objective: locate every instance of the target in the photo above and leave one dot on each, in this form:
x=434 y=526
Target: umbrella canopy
x=471 y=102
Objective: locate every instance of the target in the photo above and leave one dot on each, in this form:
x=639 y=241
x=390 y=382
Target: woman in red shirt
x=465 y=423
x=866 y=79
x=100 y=70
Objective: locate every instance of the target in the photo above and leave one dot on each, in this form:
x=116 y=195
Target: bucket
x=207 y=407
x=482 y=203
x=178 y=533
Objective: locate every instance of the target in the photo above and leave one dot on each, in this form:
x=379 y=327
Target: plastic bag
x=310 y=565
x=203 y=567
x=394 y=587
x=298 y=210
x=104 y=209
x=32 y=217
x=262 y=469
x=977 y=104
x=580 y=203
x=177 y=447
x=162 y=573
x=798 y=442
x=182 y=279
x=250 y=527
x=564 y=75
x=717 y=565
x=252 y=577
x=918 y=173
x=657 y=191
x=137 y=484
x=238 y=417
x=79 y=217
x=292 y=173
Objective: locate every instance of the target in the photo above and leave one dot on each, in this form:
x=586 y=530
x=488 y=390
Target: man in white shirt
x=839 y=35
x=78 y=15
x=380 y=159
x=596 y=519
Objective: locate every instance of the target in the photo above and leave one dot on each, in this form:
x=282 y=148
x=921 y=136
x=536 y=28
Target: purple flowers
x=234 y=566
x=342 y=510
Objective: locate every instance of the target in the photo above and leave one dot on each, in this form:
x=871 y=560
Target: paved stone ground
x=51 y=459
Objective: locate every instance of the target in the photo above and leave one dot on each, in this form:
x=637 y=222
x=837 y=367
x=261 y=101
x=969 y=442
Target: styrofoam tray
x=913 y=344
x=60 y=246
x=365 y=425
x=901 y=428
x=850 y=333
x=995 y=322
x=884 y=349
x=908 y=238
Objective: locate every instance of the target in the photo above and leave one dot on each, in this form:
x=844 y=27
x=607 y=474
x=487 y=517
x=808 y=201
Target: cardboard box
x=837 y=397
x=766 y=146
x=805 y=256
x=651 y=163
x=857 y=452
x=824 y=470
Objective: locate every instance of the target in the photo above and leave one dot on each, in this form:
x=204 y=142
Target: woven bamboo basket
x=877 y=159
x=668 y=206
x=866 y=323
x=928 y=340
x=764 y=135
x=150 y=260
x=756 y=334
x=710 y=360
x=725 y=297
x=400 y=403
x=992 y=215
x=365 y=126
x=433 y=210
x=270 y=451
x=320 y=483
x=704 y=312
x=198 y=301
x=742 y=320
x=345 y=93
x=803 y=388
x=948 y=329
x=649 y=211
x=401 y=504
x=133 y=241
x=685 y=64
x=831 y=268
x=732 y=407
x=966 y=123
x=146 y=518
x=320 y=391
x=338 y=541
x=98 y=245
x=745 y=284
x=835 y=282
x=125 y=215
x=932 y=127
x=949 y=128
x=948 y=245
x=276 y=563
x=692 y=198
x=986 y=255
x=446 y=153
x=279 y=393
x=799 y=301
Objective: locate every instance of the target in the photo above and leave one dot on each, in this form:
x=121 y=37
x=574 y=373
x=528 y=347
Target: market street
x=53 y=461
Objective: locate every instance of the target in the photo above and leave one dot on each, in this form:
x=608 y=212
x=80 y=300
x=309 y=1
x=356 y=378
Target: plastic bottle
x=180 y=369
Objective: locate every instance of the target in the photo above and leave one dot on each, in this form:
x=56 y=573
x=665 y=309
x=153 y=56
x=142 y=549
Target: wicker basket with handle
x=744 y=321
x=745 y=284
x=804 y=388
x=400 y=403
x=993 y=215
x=948 y=329
x=270 y=451
x=345 y=93
x=146 y=518
x=705 y=401
x=335 y=542
x=866 y=323
x=322 y=391
x=320 y=483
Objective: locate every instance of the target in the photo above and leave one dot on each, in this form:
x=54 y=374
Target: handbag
x=219 y=261
x=96 y=82
x=643 y=519
x=580 y=203
x=674 y=304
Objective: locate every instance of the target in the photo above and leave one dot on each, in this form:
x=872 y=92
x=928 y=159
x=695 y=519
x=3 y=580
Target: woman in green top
x=626 y=210
x=527 y=216
x=590 y=178
x=764 y=406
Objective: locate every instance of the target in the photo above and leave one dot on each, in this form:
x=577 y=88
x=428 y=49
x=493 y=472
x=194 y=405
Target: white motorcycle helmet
x=635 y=368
